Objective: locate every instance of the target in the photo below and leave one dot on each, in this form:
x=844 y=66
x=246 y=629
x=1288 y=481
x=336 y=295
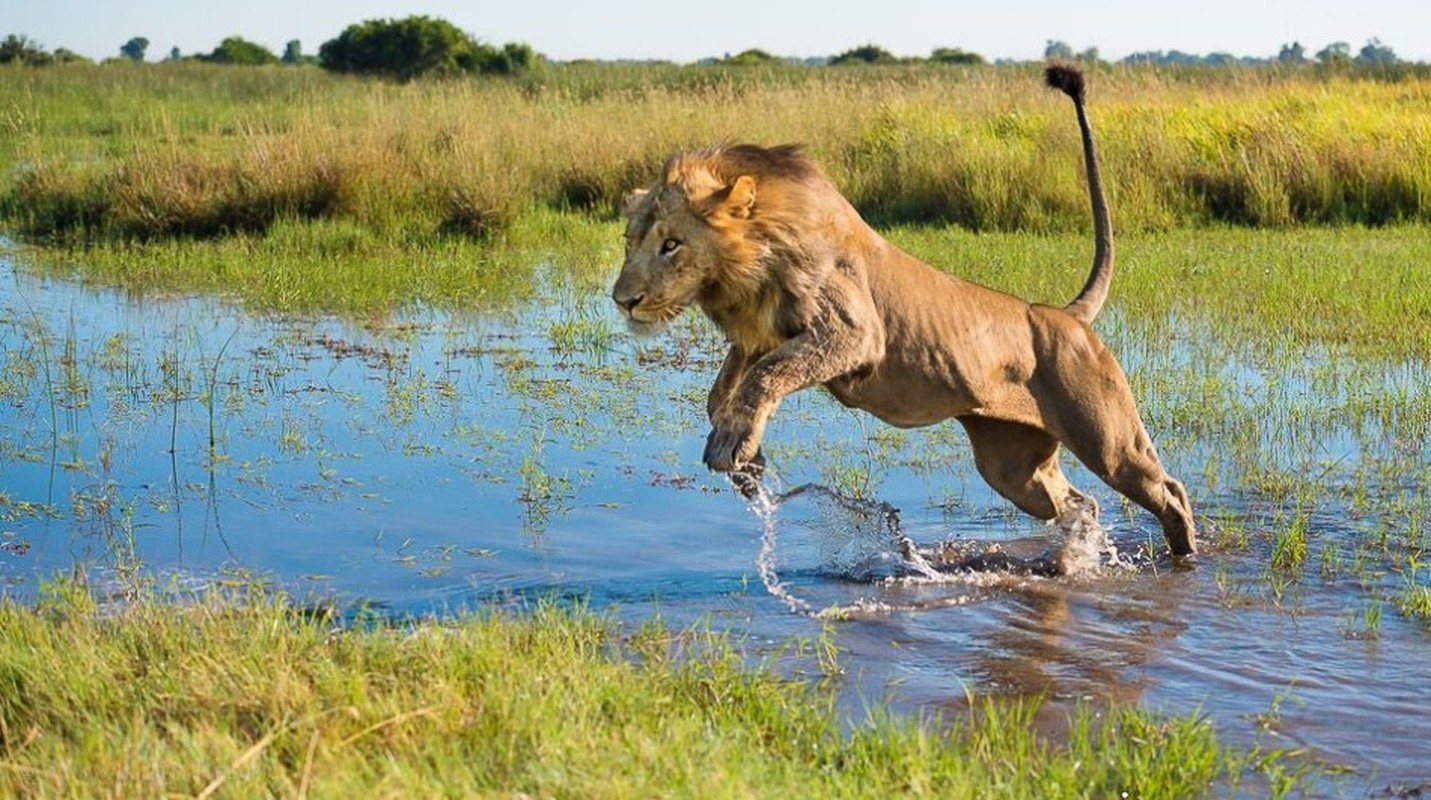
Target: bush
x=234 y=50
x=513 y=58
x=953 y=55
x=749 y=58
x=418 y=45
x=865 y=54
x=19 y=49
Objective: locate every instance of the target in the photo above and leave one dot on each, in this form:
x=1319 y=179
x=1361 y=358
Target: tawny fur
x=808 y=294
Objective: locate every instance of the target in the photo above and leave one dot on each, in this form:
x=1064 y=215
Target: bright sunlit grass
x=255 y=697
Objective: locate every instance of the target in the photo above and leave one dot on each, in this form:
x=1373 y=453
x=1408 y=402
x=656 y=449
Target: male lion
x=807 y=293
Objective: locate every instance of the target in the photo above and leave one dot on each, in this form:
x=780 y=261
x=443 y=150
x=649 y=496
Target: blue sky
x=687 y=30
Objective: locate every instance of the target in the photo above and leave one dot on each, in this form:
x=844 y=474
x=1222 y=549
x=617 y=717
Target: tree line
x=1373 y=54
x=419 y=45
x=398 y=48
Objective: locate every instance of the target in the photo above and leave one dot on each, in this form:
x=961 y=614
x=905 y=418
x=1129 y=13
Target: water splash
x=1080 y=542
x=764 y=503
x=862 y=541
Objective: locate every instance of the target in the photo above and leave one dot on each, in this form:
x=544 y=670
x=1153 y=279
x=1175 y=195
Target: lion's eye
x=670 y=246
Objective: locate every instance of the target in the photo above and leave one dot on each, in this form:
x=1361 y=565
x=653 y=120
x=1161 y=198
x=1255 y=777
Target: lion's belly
x=913 y=397
x=904 y=404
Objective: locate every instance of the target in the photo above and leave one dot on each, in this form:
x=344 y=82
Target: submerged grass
x=257 y=697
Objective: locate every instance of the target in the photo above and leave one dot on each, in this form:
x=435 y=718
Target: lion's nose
x=629 y=303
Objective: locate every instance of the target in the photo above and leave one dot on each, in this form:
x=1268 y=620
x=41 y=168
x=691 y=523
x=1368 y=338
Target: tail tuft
x=1066 y=78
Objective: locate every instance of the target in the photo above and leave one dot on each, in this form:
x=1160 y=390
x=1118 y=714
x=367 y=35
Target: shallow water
x=439 y=462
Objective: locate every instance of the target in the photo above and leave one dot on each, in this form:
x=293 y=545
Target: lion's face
x=676 y=246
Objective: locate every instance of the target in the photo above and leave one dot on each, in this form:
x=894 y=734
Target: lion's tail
x=1089 y=302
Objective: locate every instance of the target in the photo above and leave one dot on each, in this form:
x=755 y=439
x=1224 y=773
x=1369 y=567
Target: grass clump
x=256 y=697
x=1415 y=598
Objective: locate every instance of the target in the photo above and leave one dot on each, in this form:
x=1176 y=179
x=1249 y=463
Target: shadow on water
x=437 y=463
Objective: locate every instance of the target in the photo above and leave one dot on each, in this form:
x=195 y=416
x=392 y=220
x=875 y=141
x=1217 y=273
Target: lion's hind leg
x=1138 y=475
x=1021 y=463
x=1114 y=445
x=1084 y=399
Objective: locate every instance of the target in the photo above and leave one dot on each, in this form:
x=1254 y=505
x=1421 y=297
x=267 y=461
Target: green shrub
x=235 y=50
x=418 y=45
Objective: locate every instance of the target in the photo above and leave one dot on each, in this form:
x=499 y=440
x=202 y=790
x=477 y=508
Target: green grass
x=257 y=698
x=1360 y=291
x=335 y=266
x=1357 y=290
x=1415 y=597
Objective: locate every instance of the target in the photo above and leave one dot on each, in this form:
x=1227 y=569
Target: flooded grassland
x=440 y=460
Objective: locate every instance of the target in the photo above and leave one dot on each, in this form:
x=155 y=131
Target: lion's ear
x=736 y=200
x=633 y=199
x=739 y=199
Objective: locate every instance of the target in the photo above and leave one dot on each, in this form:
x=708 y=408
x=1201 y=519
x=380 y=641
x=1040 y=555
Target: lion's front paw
x=731 y=448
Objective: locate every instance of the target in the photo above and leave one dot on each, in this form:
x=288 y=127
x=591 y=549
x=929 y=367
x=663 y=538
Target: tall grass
x=138 y=153
x=260 y=699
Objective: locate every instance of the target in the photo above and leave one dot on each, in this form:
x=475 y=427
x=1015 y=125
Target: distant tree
x=418 y=45
x=1170 y=58
x=749 y=58
x=1376 y=54
x=135 y=48
x=512 y=58
x=293 y=52
x=1054 y=50
x=23 y=50
x=1293 y=53
x=174 y=54
x=953 y=55
x=1090 y=55
x=864 y=54
x=66 y=56
x=1335 y=53
x=239 y=51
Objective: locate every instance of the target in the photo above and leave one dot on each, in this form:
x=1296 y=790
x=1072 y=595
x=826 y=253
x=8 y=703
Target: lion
x=808 y=294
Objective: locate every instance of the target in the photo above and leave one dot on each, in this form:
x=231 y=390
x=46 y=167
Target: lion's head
x=700 y=233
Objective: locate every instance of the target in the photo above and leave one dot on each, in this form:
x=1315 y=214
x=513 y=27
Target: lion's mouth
x=648 y=318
